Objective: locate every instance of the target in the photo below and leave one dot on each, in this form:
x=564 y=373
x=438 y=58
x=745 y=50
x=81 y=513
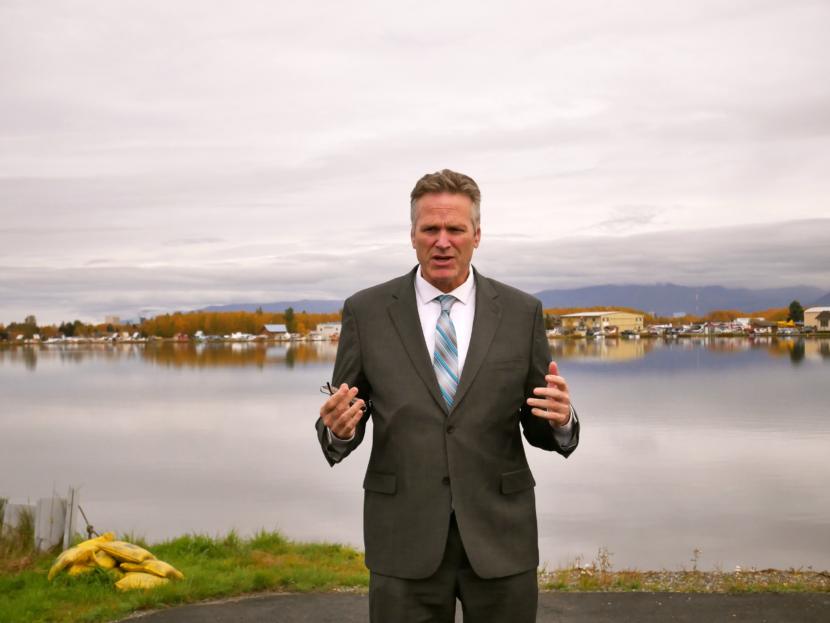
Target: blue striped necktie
x=445 y=358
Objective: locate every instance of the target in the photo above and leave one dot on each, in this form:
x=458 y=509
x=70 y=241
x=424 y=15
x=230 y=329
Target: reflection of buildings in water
x=799 y=349
x=728 y=344
x=178 y=354
x=289 y=354
x=611 y=350
x=65 y=353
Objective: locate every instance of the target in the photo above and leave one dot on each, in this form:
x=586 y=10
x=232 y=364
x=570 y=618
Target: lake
x=717 y=444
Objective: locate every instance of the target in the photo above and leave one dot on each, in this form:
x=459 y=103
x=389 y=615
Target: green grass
x=632 y=580
x=19 y=541
x=598 y=575
x=230 y=566
x=213 y=568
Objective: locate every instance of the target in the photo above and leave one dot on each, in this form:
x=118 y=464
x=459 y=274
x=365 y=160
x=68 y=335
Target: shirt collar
x=426 y=292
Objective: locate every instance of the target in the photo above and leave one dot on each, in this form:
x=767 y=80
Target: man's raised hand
x=342 y=411
x=554 y=401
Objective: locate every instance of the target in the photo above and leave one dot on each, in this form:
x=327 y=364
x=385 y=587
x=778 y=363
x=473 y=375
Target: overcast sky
x=170 y=155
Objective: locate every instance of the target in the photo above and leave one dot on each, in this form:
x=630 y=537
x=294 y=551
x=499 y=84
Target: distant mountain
x=667 y=299
x=312 y=306
x=824 y=301
x=664 y=299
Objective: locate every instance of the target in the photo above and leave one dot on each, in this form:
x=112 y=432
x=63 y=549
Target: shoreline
x=293 y=342
x=232 y=567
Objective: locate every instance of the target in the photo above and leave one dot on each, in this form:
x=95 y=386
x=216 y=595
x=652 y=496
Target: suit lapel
x=404 y=314
x=485 y=324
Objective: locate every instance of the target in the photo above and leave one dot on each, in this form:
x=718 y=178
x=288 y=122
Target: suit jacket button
x=445 y=480
x=450 y=429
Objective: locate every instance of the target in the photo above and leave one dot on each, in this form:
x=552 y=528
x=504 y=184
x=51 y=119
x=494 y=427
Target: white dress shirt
x=462 y=314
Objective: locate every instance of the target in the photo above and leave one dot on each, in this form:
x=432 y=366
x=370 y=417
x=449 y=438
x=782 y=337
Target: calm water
x=721 y=445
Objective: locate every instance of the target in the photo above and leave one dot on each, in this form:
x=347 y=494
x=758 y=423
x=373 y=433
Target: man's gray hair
x=446 y=181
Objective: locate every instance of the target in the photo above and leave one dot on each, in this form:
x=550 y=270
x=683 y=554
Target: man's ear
x=412 y=236
x=477 y=238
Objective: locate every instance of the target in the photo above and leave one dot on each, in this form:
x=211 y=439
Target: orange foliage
x=773 y=315
x=225 y=323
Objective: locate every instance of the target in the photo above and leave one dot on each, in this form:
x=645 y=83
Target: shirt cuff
x=336 y=441
x=564 y=433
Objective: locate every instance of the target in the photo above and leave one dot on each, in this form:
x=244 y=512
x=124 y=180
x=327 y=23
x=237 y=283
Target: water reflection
x=178 y=355
x=712 y=443
x=259 y=354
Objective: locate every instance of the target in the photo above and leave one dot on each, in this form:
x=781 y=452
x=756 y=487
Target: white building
x=329 y=330
x=276 y=331
x=818 y=318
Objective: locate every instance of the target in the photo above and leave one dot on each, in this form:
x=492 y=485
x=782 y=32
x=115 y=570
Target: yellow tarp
x=79 y=568
x=104 y=560
x=81 y=553
x=142 y=567
x=126 y=552
x=134 y=580
x=156 y=567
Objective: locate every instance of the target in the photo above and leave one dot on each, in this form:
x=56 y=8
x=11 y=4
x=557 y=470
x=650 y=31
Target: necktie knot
x=446 y=301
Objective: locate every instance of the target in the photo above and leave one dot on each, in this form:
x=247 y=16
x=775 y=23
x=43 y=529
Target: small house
x=275 y=332
x=818 y=318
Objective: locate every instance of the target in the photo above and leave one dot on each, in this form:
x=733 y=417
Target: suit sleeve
x=347 y=369
x=538 y=431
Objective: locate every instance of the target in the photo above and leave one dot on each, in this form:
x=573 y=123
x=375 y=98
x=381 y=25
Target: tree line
x=225 y=323
x=170 y=325
x=794 y=312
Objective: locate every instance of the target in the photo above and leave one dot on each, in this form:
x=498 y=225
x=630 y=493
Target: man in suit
x=451 y=367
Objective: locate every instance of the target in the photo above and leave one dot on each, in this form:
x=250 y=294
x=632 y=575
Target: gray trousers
x=432 y=600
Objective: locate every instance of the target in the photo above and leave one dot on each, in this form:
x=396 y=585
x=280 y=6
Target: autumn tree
x=796 y=312
x=290 y=320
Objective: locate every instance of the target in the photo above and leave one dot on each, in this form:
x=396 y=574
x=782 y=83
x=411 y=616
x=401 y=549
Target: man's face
x=443 y=238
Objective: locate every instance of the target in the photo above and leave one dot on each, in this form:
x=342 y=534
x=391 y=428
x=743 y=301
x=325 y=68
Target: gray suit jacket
x=427 y=460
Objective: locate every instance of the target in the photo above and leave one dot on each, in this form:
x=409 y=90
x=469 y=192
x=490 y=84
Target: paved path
x=553 y=607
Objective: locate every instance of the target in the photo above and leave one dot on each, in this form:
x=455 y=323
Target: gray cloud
x=626 y=218
x=157 y=154
x=758 y=256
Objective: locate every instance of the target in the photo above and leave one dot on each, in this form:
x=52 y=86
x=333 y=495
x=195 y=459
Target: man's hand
x=554 y=402
x=342 y=412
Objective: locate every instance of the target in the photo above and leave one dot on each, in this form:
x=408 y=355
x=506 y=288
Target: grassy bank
x=742 y=581
x=213 y=568
x=231 y=566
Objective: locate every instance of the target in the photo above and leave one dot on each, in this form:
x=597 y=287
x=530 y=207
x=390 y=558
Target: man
x=450 y=366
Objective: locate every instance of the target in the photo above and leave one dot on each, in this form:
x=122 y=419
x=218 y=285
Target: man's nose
x=443 y=239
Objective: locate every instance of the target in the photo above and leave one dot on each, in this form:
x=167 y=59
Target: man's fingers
x=551 y=392
x=550 y=414
x=553 y=368
x=345 y=423
x=549 y=404
x=340 y=399
x=554 y=380
x=557 y=417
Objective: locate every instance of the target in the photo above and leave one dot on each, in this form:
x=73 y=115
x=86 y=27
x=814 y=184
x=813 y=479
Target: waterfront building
x=275 y=332
x=818 y=318
x=601 y=320
x=329 y=330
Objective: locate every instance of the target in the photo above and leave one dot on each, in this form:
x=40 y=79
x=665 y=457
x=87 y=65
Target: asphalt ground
x=553 y=607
